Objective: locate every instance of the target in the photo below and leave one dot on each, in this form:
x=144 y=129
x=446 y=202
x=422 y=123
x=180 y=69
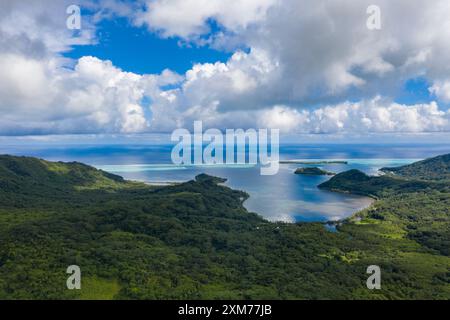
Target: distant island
x=312 y=162
x=313 y=171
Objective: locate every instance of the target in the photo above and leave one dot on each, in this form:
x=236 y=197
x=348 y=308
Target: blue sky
x=152 y=66
x=415 y=90
x=134 y=49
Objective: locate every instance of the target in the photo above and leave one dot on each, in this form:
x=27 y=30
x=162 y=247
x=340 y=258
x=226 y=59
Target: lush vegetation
x=357 y=182
x=313 y=171
x=195 y=240
x=437 y=168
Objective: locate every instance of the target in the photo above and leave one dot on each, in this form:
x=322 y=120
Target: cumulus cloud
x=44 y=93
x=323 y=48
x=36 y=30
x=299 y=65
x=93 y=97
x=305 y=53
x=441 y=89
x=373 y=116
x=376 y=115
x=189 y=18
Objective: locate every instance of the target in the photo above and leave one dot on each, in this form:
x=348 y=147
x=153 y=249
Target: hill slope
x=19 y=172
x=357 y=182
x=437 y=168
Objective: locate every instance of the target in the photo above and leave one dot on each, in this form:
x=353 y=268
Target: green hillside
x=437 y=168
x=19 y=173
x=357 y=182
x=196 y=240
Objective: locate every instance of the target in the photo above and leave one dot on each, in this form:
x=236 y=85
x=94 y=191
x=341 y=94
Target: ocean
x=282 y=197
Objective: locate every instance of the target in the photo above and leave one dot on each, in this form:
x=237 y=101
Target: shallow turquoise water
x=282 y=197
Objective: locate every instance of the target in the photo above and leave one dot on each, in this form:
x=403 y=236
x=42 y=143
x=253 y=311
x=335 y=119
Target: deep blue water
x=284 y=196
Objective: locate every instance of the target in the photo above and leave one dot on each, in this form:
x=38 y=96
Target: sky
x=306 y=67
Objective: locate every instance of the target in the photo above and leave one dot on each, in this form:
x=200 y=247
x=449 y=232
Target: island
x=312 y=162
x=313 y=171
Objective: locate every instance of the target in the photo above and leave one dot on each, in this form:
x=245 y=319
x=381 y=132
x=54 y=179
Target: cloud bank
x=301 y=66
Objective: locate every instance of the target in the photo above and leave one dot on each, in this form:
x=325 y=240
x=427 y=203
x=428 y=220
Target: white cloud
x=34 y=29
x=323 y=48
x=94 y=97
x=44 y=93
x=442 y=90
x=376 y=115
x=305 y=53
x=368 y=116
x=305 y=60
x=189 y=18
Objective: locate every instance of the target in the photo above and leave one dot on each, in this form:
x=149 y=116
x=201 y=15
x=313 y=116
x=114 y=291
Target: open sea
x=282 y=197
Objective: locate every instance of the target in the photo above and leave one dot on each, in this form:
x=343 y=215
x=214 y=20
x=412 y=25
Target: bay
x=283 y=197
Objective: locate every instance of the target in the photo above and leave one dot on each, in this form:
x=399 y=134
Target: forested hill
x=431 y=173
x=195 y=240
x=357 y=182
x=17 y=173
x=437 y=168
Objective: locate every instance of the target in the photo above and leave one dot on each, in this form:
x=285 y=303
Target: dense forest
x=437 y=168
x=196 y=240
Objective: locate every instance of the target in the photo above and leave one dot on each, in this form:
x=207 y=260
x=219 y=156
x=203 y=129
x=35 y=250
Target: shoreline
x=224 y=184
